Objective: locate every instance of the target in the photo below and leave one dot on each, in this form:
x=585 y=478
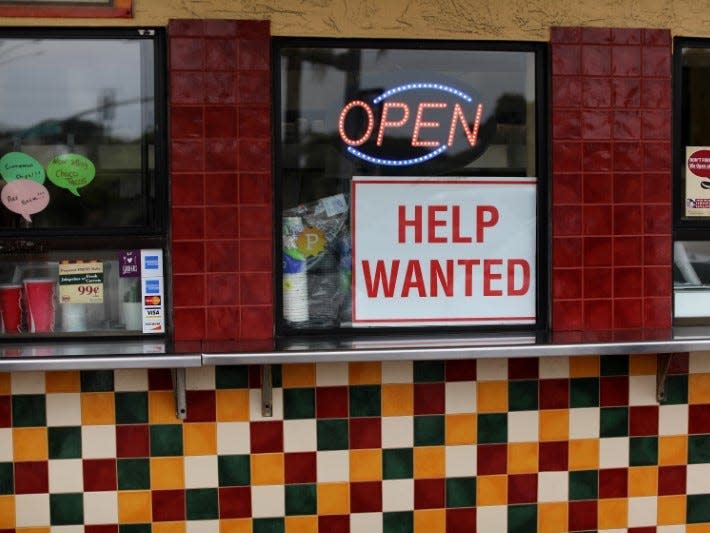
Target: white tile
x=130 y=380
x=492 y=519
x=328 y=374
x=523 y=426
x=698 y=478
x=699 y=363
x=27 y=382
x=397 y=495
x=366 y=522
x=63 y=409
x=673 y=419
x=65 y=475
x=277 y=405
x=553 y=367
x=584 y=423
x=101 y=507
x=202 y=526
x=267 y=501
x=200 y=378
x=614 y=452
x=491 y=369
x=397 y=372
x=200 y=471
x=642 y=390
x=98 y=442
x=333 y=466
x=460 y=460
x=643 y=511
x=31 y=509
x=460 y=397
x=300 y=435
x=67 y=529
x=6 y=454
x=233 y=438
x=397 y=431
x=553 y=486
x=670 y=529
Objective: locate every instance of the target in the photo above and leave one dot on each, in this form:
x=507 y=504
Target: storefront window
x=410 y=177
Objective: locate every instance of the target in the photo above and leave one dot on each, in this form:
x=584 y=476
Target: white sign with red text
x=443 y=251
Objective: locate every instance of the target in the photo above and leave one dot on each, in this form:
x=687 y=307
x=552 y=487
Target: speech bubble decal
x=25 y=197
x=20 y=166
x=71 y=171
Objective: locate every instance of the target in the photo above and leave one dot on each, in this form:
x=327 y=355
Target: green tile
x=698 y=449
x=461 y=492
x=698 y=508
x=233 y=470
x=166 y=440
x=276 y=376
x=614 y=365
x=6 y=479
x=29 y=410
x=134 y=528
x=398 y=522
x=522 y=395
x=676 y=390
x=332 y=434
x=397 y=463
x=492 y=427
x=268 y=525
x=614 y=422
x=133 y=474
x=299 y=403
x=428 y=371
x=131 y=407
x=64 y=442
x=96 y=380
x=232 y=377
x=201 y=504
x=429 y=430
x=583 y=485
x=584 y=392
x=365 y=400
x=66 y=509
x=522 y=518
x=643 y=451
x=300 y=499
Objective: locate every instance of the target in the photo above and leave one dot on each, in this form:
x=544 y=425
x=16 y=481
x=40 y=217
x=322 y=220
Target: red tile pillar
x=611 y=178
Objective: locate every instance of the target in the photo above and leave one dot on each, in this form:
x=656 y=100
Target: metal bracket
x=663 y=363
x=267 y=401
x=178 y=375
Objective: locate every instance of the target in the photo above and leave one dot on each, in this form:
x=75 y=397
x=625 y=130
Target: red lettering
x=437 y=277
x=468 y=265
x=370 y=123
x=380 y=279
x=525 y=266
x=416 y=223
x=384 y=123
x=483 y=221
x=489 y=277
x=434 y=222
x=413 y=279
x=419 y=123
x=458 y=117
x=456 y=223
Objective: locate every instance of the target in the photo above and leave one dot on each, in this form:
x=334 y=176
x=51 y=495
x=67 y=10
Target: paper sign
x=25 y=197
x=20 y=166
x=71 y=171
x=697 y=181
x=81 y=282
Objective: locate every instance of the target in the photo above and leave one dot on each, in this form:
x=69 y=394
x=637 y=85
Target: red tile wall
x=220 y=158
x=611 y=178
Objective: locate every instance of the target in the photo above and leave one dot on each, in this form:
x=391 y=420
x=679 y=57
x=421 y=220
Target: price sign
x=81 y=282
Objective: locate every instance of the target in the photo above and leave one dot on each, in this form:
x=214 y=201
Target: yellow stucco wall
x=441 y=19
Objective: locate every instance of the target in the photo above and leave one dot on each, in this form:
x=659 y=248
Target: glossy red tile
x=554 y=393
x=254 y=122
x=628 y=188
x=187 y=155
x=657 y=219
x=159 y=379
x=566 y=156
x=657 y=187
x=597 y=124
x=463 y=370
x=365 y=433
x=656 y=123
x=643 y=420
x=429 y=493
x=567 y=189
x=657 y=312
x=657 y=156
x=333 y=523
x=189 y=323
x=582 y=515
x=597 y=188
x=255 y=222
x=628 y=313
x=553 y=456
x=627 y=124
x=597 y=251
x=567 y=252
x=592 y=35
x=220 y=28
x=679 y=363
x=256 y=256
x=222 y=323
x=429 y=398
x=266 y=436
x=300 y=467
x=186 y=122
x=566 y=59
x=187 y=190
x=656 y=61
x=492 y=459
x=567 y=315
x=597 y=220
x=596 y=60
x=132 y=440
x=99 y=474
x=221 y=155
x=222 y=189
x=566 y=91
x=596 y=156
x=522 y=488
x=222 y=255
x=672 y=480
x=256 y=288
x=656 y=93
x=626 y=60
x=659 y=37
x=331 y=402
x=31 y=477
x=628 y=282
x=188 y=223
x=253 y=87
x=220 y=54
x=186 y=53
x=222 y=289
x=461 y=520
x=254 y=155
x=168 y=505
x=614 y=391
x=596 y=92
x=253 y=29
x=627 y=251
x=253 y=54
x=234 y=502
x=254 y=188
x=566 y=220
x=257 y=322
x=186 y=27
x=186 y=87
x=657 y=249
x=563 y=34
x=597 y=314
x=189 y=290
x=699 y=418
x=566 y=124
x=613 y=483
x=628 y=156
x=221 y=222
x=5 y=411
x=567 y=283
x=366 y=497
x=101 y=528
x=202 y=406
x=220 y=121
x=220 y=87
x=626 y=35
x=626 y=93
x=523 y=368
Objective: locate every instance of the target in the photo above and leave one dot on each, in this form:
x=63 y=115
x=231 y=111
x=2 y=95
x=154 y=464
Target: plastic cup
x=39 y=293
x=11 y=308
x=73 y=317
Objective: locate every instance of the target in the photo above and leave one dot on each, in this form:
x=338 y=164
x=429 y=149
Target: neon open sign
x=413 y=123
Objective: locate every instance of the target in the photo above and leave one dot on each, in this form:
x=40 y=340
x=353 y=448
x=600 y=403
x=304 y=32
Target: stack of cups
x=39 y=293
x=295 y=281
x=11 y=308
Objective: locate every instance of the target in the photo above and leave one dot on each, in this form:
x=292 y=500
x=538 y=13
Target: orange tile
x=167 y=473
x=7 y=512
x=642 y=364
x=699 y=388
x=430 y=520
x=134 y=506
x=697 y=528
x=301 y=524
x=460 y=429
x=612 y=513
x=98 y=408
x=161 y=407
x=552 y=517
x=584 y=366
x=367 y=373
x=643 y=481
x=583 y=454
x=267 y=468
x=5 y=386
x=673 y=450
x=365 y=465
x=235 y=525
x=200 y=438
x=522 y=457
x=168 y=527
x=232 y=405
x=554 y=425
x=63 y=381
x=298 y=375
x=397 y=399
x=429 y=462
x=30 y=444
x=491 y=490
x=34 y=530
x=333 y=498
x=671 y=510
x=492 y=396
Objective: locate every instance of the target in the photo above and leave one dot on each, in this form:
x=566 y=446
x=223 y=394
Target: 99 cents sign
x=81 y=282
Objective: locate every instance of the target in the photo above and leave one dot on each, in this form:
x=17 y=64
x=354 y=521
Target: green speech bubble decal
x=71 y=171
x=20 y=166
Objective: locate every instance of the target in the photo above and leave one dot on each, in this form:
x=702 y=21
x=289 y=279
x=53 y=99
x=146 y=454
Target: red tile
x=597 y=314
x=699 y=418
x=657 y=156
x=554 y=393
x=31 y=477
x=597 y=221
x=565 y=59
x=598 y=250
x=553 y=456
x=253 y=87
x=643 y=420
x=253 y=54
x=257 y=322
x=186 y=122
x=582 y=515
x=566 y=156
x=596 y=156
x=331 y=402
x=188 y=290
x=5 y=411
x=220 y=121
x=101 y=528
x=159 y=379
x=266 y=437
x=560 y=34
x=365 y=433
x=642 y=529
x=221 y=222
x=255 y=256
x=189 y=324
x=254 y=122
x=186 y=53
x=254 y=377
x=222 y=289
x=429 y=494
x=596 y=92
x=627 y=124
x=566 y=252
x=626 y=60
x=300 y=467
x=627 y=251
x=188 y=223
x=626 y=35
x=628 y=282
x=222 y=256
x=99 y=474
x=613 y=482
x=626 y=93
x=657 y=188
x=253 y=29
x=597 y=188
x=656 y=94
x=234 y=502
x=168 y=505
x=657 y=250
x=188 y=257
x=366 y=497
x=460 y=370
x=567 y=315
x=596 y=60
x=679 y=363
x=220 y=87
x=186 y=87
x=462 y=520
x=523 y=368
x=657 y=312
x=220 y=28
x=221 y=155
x=628 y=313
x=254 y=188
x=186 y=27
x=656 y=37
x=657 y=281
x=613 y=391
x=255 y=288
x=657 y=219
x=492 y=459
x=566 y=124
x=592 y=35
x=628 y=156
x=628 y=188
x=597 y=283
x=255 y=222
x=597 y=124
x=566 y=91
x=656 y=61
x=566 y=220
x=132 y=440
x=222 y=323
x=202 y=406
x=254 y=155
x=220 y=54
x=429 y=398
x=656 y=123
x=567 y=189
x=333 y=523
x=187 y=155
x=671 y=480
x=522 y=488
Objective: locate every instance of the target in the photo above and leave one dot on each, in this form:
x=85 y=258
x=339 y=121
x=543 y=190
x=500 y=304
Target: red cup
x=39 y=293
x=11 y=308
